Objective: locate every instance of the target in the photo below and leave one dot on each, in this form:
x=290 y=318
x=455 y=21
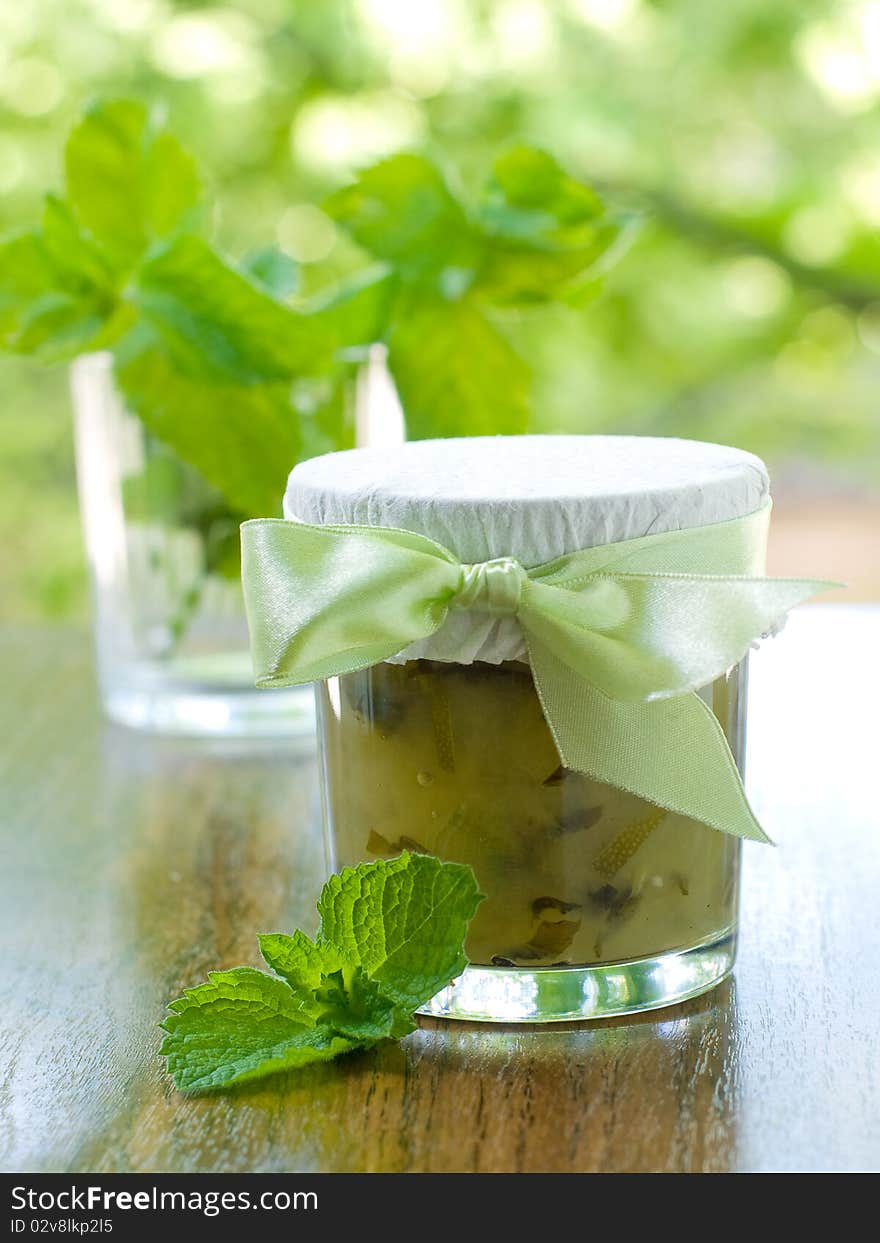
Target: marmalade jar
x=597 y=902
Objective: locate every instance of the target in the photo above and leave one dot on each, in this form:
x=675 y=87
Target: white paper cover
x=530 y=497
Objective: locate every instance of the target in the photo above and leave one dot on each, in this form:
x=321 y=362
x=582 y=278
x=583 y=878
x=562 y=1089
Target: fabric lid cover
x=530 y=497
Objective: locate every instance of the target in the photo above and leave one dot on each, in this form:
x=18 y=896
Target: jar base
x=187 y=699
x=551 y=995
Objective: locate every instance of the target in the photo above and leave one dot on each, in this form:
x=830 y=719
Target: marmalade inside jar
x=458 y=761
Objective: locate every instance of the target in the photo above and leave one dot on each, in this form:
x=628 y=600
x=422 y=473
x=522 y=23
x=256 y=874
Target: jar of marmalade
x=597 y=902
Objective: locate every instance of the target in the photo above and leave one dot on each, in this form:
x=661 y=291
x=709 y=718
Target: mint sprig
x=130 y=185
x=391 y=937
x=220 y=322
x=129 y=180
x=212 y=353
x=454 y=269
x=206 y=349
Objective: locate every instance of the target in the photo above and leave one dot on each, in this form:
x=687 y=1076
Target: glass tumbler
x=170 y=630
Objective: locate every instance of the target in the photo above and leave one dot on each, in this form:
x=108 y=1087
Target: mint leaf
x=58 y=326
x=241 y=438
x=542 y=229
x=360 y=1009
x=402 y=210
x=332 y=990
x=55 y=299
x=129 y=181
x=26 y=274
x=274 y=270
x=391 y=937
x=535 y=233
x=531 y=196
x=298 y=959
x=242 y=1024
x=455 y=373
x=356 y=311
x=218 y=322
x=73 y=257
x=402 y=921
x=536 y=236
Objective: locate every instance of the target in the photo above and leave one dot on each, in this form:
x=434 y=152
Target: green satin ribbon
x=619 y=637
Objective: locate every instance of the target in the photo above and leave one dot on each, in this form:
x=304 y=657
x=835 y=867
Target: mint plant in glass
x=194 y=378
x=163 y=556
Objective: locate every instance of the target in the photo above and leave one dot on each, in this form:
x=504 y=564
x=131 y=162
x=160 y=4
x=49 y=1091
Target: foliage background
x=747 y=311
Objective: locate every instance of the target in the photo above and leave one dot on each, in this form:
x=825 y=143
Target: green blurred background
x=747 y=311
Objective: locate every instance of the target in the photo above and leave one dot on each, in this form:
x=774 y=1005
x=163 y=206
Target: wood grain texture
x=130 y=866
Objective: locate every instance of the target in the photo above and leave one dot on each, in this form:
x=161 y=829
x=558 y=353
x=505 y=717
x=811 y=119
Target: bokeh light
x=337 y=134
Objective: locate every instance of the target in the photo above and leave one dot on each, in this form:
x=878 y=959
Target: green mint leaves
x=221 y=323
x=390 y=938
x=450 y=362
x=129 y=181
x=532 y=234
x=57 y=295
x=535 y=236
x=206 y=350
x=402 y=212
x=548 y=236
x=129 y=186
x=239 y=374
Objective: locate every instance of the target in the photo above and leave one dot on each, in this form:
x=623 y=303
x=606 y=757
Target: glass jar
x=596 y=903
x=170 y=629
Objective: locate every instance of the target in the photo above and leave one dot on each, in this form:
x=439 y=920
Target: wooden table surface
x=130 y=866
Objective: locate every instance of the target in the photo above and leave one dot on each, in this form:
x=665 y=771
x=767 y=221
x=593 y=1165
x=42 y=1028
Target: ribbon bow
x=620 y=637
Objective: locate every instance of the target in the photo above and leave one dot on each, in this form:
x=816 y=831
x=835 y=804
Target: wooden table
x=130 y=866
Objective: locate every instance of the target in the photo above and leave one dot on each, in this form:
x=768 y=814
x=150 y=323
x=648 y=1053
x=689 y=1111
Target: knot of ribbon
x=620 y=638
x=493 y=587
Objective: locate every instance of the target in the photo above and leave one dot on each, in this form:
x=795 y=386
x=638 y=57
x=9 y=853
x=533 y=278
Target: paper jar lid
x=530 y=497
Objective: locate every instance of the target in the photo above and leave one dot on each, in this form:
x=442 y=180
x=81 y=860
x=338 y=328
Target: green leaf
x=26 y=274
x=402 y=921
x=392 y=928
x=402 y=211
x=332 y=991
x=273 y=269
x=58 y=326
x=536 y=235
x=129 y=181
x=244 y=439
x=220 y=323
x=361 y=1009
x=542 y=229
x=242 y=1024
x=75 y=260
x=391 y=937
x=455 y=373
x=356 y=311
x=528 y=181
x=54 y=297
x=298 y=959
